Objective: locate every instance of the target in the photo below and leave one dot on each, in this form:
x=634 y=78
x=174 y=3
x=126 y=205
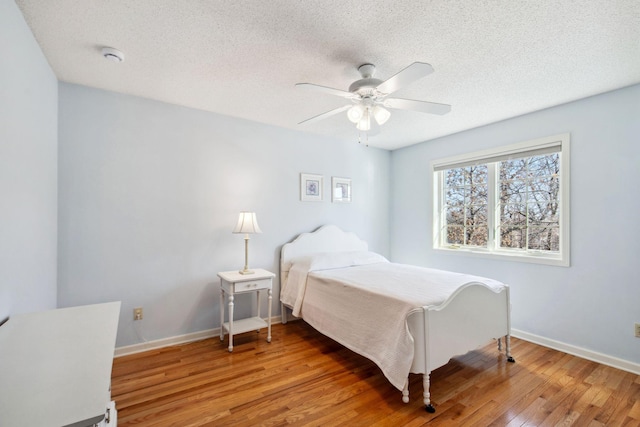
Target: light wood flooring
x=303 y=378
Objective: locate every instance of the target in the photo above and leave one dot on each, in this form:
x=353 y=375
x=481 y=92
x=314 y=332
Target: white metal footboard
x=470 y=318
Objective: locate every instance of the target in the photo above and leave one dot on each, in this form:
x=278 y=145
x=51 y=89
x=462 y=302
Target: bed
x=404 y=318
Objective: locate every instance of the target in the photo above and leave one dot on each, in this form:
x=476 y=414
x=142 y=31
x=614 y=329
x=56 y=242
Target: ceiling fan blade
x=420 y=106
x=413 y=72
x=326 y=114
x=328 y=90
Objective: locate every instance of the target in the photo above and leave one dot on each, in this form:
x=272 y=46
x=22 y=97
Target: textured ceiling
x=493 y=59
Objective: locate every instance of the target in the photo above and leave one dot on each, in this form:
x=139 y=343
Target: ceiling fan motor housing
x=366 y=86
x=367 y=70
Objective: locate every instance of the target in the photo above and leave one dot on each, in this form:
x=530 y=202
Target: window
x=510 y=202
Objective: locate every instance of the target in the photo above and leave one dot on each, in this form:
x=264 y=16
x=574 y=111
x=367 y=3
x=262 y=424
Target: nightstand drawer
x=253 y=285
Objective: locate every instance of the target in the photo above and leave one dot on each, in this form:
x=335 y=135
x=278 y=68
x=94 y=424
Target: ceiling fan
x=369 y=96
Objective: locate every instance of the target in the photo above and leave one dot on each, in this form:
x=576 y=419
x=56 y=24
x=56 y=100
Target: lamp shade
x=381 y=114
x=247 y=224
x=365 y=121
x=355 y=113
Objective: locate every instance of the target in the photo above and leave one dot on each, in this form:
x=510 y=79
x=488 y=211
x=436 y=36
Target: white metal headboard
x=327 y=238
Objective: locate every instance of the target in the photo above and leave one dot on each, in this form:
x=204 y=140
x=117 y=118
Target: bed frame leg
x=427 y=396
x=507 y=340
x=405 y=392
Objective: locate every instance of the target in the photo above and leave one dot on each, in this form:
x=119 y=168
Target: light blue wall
x=149 y=194
x=592 y=304
x=28 y=169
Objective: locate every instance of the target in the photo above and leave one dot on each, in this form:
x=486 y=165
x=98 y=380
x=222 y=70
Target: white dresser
x=55 y=367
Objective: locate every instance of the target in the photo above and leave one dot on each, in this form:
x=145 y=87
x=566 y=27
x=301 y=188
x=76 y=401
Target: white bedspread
x=363 y=303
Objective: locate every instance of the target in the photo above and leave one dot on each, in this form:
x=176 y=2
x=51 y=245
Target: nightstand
x=233 y=283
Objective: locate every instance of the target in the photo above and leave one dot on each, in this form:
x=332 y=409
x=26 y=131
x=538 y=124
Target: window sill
x=547 y=259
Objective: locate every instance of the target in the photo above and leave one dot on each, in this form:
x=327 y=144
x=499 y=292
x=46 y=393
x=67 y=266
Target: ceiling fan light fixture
x=364 y=124
x=381 y=114
x=355 y=113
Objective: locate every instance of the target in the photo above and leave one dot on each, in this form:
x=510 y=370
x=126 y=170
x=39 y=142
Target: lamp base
x=246 y=270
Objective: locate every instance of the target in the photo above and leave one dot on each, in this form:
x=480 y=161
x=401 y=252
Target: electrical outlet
x=137 y=313
x=638 y=330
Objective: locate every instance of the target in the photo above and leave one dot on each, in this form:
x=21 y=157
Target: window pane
x=511 y=187
x=478 y=174
x=478 y=193
x=465 y=205
x=454 y=177
x=455 y=235
x=534 y=238
x=540 y=194
x=477 y=236
x=454 y=196
x=528 y=203
x=476 y=215
x=537 y=212
x=455 y=215
x=512 y=237
x=513 y=215
x=543 y=165
x=544 y=238
x=512 y=199
x=513 y=169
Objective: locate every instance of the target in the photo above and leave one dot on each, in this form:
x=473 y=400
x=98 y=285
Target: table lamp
x=247 y=224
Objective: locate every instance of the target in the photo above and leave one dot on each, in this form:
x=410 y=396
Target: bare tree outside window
x=529 y=203
x=466 y=200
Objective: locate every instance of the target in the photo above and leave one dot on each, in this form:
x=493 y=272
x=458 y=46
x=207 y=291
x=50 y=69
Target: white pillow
x=331 y=260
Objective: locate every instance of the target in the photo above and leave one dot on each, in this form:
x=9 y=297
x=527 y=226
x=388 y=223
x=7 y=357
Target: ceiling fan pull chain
x=366 y=137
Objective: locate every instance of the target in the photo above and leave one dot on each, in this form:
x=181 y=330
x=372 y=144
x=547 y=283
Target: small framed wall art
x=311 y=187
x=340 y=190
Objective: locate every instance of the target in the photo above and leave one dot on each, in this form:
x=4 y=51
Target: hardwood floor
x=303 y=378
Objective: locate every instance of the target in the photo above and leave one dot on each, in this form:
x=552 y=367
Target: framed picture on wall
x=340 y=190
x=311 y=187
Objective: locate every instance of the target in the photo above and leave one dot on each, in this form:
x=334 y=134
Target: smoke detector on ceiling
x=112 y=54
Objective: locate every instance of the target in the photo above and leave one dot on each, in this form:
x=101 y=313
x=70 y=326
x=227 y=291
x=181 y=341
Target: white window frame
x=560 y=143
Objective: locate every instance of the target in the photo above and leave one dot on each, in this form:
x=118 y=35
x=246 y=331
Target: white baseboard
x=179 y=339
x=604 y=359
x=614 y=362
